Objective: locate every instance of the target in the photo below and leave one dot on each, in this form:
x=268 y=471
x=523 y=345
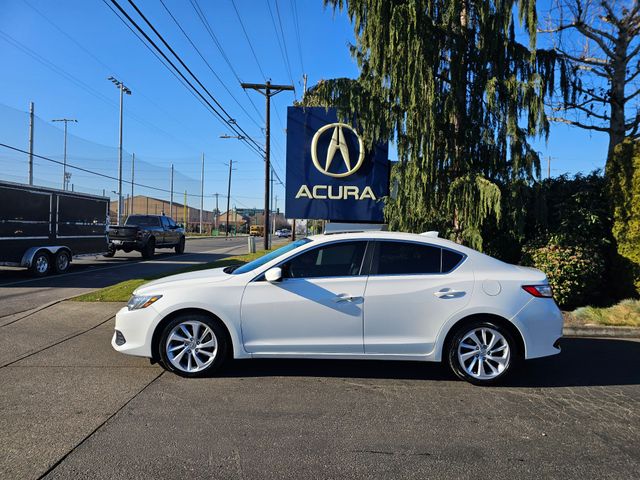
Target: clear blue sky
x=164 y=123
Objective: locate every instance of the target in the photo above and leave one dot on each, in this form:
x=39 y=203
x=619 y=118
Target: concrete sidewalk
x=61 y=380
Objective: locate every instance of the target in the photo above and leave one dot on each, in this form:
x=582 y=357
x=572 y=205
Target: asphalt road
x=71 y=407
x=20 y=292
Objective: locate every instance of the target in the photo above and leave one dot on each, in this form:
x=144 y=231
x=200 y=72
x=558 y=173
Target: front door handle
x=343 y=297
x=448 y=293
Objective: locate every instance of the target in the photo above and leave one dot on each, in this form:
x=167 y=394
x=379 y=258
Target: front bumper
x=136 y=328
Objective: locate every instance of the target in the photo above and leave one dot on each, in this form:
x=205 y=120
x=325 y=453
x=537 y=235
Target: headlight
x=142 y=301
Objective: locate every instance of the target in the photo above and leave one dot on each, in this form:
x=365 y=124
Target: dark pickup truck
x=145 y=233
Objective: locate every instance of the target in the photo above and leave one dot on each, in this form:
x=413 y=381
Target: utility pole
x=184 y=211
x=217 y=212
x=273 y=219
x=201 y=192
x=64 y=156
x=171 y=199
x=31 y=143
x=133 y=167
x=228 y=197
x=123 y=89
x=268 y=90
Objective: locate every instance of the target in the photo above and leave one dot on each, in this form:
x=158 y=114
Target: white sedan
x=368 y=295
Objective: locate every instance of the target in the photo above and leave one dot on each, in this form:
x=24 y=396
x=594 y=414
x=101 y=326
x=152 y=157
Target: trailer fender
x=27 y=258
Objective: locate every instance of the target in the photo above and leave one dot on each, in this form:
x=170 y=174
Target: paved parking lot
x=71 y=407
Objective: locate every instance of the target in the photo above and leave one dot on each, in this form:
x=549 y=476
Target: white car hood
x=212 y=275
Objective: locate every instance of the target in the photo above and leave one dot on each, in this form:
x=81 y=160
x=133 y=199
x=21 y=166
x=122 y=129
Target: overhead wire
x=246 y=35
x=225 y=121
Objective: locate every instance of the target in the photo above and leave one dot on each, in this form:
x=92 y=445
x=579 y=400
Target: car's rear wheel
x=180 y=246
x=110 y=252
x=149 y=249
x=193 y=345
x=482 y=353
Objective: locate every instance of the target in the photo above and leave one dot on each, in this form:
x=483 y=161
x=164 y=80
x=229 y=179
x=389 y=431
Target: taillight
x=540 y=291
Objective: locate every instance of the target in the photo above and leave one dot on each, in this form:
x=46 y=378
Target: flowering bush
x=574 y=271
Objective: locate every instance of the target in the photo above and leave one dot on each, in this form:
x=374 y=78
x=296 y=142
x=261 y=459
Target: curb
x=601 y=331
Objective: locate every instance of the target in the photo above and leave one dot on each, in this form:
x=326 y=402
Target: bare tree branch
x=578 y=124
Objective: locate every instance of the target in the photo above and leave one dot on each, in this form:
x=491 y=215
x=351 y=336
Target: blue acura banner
x=330 y=174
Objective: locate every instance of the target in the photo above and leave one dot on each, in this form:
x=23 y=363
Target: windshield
x=258 y=262
x=142 y=221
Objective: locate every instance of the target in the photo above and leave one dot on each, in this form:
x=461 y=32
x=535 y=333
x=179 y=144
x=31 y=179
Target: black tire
x=110 y=253
x=149 y=249
x=40 y=264
x=222 y=347
x=62 y=261
x=180 y=245
x=483 y=358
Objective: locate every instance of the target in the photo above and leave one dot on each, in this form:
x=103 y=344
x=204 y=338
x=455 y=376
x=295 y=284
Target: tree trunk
x=617 y=129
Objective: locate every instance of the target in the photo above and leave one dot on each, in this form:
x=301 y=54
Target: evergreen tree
x=460 y=96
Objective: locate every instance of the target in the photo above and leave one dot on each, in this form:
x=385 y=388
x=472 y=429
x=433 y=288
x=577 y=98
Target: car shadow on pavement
x=583 y=362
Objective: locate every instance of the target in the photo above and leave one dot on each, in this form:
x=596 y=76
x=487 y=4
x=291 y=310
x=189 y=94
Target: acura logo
x=337 y=143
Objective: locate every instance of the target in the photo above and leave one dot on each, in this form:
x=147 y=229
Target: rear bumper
x=119 y=244
x=540 y=322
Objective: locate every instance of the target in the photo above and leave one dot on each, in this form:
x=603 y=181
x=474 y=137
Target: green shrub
x=623 y=173
x=574 y=272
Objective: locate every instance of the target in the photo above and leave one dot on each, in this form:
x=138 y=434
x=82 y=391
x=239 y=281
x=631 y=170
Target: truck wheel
x=149 y=249
x=180 y=246
x=62 y=261
x=40 y=264
x=110 y=253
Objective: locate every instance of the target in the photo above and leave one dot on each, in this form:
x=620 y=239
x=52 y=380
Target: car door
x=316 y=308
x=172 y=236
x=413 y=288
x=165 y=235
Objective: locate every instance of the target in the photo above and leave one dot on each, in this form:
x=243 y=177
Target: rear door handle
x=345 y=298
x=449 y=293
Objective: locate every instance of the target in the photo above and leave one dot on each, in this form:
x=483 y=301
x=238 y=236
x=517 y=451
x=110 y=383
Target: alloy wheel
x=191 y=346
x=484 y=353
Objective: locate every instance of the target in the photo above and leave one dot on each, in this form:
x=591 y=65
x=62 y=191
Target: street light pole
x=123 y=89
x=64 y=156
x=201 y=193
x=171 y=199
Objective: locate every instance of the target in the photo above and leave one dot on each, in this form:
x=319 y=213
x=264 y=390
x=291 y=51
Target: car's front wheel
x=193 y=345
x=482 y=353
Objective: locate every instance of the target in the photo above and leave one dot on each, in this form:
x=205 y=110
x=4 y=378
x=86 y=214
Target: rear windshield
x=142 y=221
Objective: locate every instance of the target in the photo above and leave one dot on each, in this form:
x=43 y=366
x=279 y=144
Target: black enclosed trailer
x=44 y=228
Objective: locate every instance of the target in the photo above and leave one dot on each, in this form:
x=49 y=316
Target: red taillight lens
x=540 y=291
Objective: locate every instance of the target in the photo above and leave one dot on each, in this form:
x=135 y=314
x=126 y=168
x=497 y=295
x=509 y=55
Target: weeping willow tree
x=449 y=83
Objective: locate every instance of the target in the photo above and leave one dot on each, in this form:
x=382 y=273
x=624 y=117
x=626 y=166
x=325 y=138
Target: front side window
x=341 y=259
x=258 y=262
x=403 y=258
x=165 y=222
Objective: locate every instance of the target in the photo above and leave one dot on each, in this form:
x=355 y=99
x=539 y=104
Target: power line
x=209 y=65
x=229 y=122
x=246 y=35
x=296 y=23
x=203 y=19
x=285 y=58
x=110 y=177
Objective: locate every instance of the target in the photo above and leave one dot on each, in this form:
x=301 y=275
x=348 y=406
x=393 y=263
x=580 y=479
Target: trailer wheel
x=40 y=264
x=62 y=261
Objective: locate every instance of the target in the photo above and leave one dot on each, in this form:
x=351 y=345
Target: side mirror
x=273 y=274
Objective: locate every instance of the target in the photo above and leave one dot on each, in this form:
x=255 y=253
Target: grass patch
x=623 y=314
x=120 y=292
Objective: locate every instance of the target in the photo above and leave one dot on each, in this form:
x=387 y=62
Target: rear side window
x=341 y=259
x=450 y=260
x=404 y=258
